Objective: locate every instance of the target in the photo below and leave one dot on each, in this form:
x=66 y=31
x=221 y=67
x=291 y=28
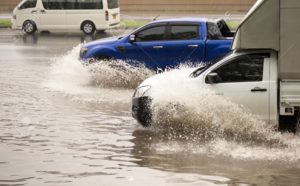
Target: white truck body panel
x=274 y=24
x=289 y=55
x=290 y=93
x=260 y=28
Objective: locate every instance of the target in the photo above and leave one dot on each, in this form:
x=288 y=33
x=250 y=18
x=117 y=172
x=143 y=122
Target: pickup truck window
x=184 y=32
x=241 y=69
x=214 y=32
x=151 y=34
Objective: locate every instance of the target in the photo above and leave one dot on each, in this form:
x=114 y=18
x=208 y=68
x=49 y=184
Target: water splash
x=185 y=111
x=68 y=73
x=118 y=74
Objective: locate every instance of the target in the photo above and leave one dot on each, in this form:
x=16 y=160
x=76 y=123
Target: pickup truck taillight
x=106 y=16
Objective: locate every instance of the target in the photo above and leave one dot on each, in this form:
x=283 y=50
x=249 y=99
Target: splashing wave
x=184 y=110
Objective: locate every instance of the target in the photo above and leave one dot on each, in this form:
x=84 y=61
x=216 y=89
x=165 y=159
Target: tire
x=289 y=123
x=29 y=27
x=88 y=28
x=298 y=123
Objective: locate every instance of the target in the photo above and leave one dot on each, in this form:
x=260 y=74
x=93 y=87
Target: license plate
x=114 y=16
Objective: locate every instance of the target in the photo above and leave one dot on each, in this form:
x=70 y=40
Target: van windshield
x=28 y=4
x=113 y=4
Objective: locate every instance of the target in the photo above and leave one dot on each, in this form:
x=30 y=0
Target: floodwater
x=58 y=126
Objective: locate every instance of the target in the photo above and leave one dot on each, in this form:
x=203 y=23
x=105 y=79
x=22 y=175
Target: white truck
x=262 y=73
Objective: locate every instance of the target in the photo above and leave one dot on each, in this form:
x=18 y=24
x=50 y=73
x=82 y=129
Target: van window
x=248 y=68
x=184 y=32
x=28 y=4
x=89 y=4
x=113 y=4
x=71 y=4
x=83 y=4
x=151 y=34
x=53 y=4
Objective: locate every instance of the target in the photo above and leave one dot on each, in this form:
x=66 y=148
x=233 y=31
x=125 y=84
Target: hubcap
x=88 y=28
x=28 y=27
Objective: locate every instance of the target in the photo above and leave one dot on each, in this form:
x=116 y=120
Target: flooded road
x=58 y=128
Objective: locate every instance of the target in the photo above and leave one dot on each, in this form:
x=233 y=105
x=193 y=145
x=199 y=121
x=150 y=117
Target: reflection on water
x=33 y=39
x=158 y=151
x=56 y=130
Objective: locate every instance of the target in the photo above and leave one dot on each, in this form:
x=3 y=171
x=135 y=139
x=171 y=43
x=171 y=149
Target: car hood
x=105 y=41
x=173 y=75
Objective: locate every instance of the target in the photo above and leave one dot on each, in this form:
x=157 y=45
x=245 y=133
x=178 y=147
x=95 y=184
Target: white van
x=66 y=15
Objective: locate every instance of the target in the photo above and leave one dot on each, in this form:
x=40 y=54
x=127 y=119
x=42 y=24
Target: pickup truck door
x=245 y=81
x=149 y=47
x=184 y=44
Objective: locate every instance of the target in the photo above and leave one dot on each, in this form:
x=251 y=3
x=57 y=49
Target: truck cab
x=247 y=78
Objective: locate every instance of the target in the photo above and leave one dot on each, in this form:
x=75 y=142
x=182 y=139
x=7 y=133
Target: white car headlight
x=141 y=91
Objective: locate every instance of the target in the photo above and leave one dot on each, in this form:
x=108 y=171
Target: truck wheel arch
x=103 y=52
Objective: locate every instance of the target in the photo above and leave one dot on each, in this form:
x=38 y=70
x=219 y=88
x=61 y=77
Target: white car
x=66 y=15
x=248 y=78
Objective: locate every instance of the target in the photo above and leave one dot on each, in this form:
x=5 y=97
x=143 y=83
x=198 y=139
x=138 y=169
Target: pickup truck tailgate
x=290 y=93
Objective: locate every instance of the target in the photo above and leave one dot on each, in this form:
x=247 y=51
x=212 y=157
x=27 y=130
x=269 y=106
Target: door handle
x=43 y=11
x=33 y=11
x=193 y=46
x=258 y=89
x=158 y=47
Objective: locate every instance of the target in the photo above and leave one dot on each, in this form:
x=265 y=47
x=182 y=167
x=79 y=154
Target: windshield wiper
x=201 y=69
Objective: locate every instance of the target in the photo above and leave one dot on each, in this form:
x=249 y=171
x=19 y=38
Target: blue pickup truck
x=165 y=43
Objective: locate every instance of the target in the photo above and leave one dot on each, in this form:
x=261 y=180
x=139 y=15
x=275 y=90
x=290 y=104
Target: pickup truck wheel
x=289 y=123
x=88 y=27
x=298 y=123
x=29 y=27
